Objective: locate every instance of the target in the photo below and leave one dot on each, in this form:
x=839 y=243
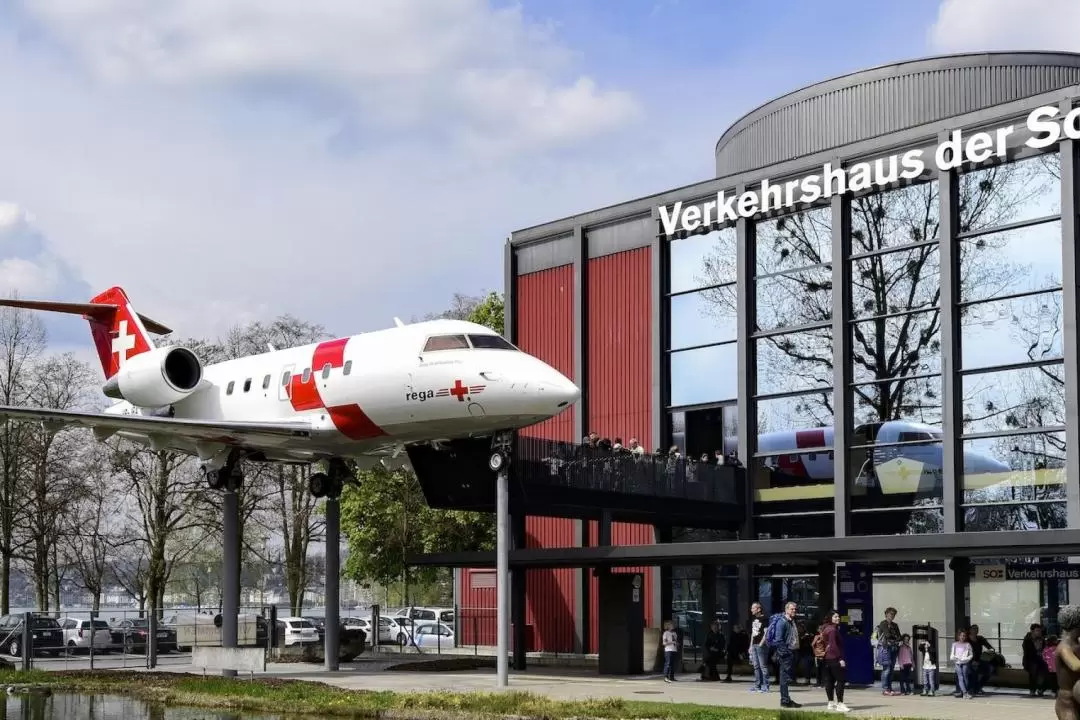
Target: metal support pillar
x=952 y=421
x=502 y=567
x=517 y=590
x=666 y=594
x=1070 y=326
x=230 y=571
x=956 y=585
x=332 y=643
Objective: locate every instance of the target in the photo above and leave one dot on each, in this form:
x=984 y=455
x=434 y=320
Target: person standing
x=759 y=652
x=929 y=668
x=1033 y=662
x=833 y=664
x=888 y=637
x=783 y=637
x=906 y=658
x=961 y=656
x=670 y=640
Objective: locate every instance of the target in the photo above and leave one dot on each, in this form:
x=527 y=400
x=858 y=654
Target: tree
x=91 y=534
x=385 y=518
x=54 y=480
x=22 y=340
x=163 y=487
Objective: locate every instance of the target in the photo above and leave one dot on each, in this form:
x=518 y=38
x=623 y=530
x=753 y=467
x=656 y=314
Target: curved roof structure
x=878 y=101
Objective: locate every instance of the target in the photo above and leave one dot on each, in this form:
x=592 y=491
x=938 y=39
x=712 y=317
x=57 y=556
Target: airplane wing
x=169 y=430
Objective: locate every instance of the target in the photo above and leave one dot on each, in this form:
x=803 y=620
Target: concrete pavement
x=570 y=684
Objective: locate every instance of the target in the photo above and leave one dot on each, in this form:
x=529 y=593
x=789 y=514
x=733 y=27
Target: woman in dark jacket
x=835 y=666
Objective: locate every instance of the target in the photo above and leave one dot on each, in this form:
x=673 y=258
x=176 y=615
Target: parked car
x=319 y=623
x=46 y=634
x=296 y=631
x=81 y=634
x=433 y=635
x=134 y=632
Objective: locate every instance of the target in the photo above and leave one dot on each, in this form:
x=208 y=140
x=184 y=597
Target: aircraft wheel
x=496 y=461
x=319 y=484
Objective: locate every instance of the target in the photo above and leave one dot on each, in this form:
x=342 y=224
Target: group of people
x=595 y=441
x=1039 y=660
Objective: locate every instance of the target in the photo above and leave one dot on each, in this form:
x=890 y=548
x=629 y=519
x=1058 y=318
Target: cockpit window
x=446 y=342
x=490 y=342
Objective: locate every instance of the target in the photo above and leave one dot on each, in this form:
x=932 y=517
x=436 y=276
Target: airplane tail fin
x=119 y=332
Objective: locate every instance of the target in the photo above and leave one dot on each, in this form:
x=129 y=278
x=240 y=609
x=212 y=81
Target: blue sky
x=349 y=162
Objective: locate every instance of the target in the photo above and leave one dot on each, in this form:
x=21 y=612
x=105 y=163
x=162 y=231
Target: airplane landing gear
x=500 y=451
x=330 y=483
x=227 y=477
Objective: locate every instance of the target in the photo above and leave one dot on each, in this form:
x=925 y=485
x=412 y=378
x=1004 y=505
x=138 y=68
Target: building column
x=826 y=587
x=581 y=582
x=663 y=594
x=952 y=425
x=747 y=385
x=841 y=337
x=708 y=601
x=1070 y=307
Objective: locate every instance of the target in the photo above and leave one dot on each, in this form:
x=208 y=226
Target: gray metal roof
x=878 y=101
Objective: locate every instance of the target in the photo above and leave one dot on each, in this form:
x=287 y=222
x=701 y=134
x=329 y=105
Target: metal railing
x=582 y=467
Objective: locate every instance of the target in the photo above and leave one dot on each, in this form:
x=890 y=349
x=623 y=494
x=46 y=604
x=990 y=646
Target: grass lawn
x=300 y=697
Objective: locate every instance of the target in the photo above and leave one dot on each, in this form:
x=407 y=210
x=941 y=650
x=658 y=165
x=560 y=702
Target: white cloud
x=210 y=204
x=28 y=265
x=476 y=71
x=975 y=25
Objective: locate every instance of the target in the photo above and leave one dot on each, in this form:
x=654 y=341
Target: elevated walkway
x=560 y=479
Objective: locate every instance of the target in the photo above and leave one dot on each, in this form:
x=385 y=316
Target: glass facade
x=998 y=284
x=1008 y=370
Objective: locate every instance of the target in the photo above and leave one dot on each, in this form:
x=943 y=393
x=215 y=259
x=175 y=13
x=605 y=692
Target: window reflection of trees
x=1013 y=319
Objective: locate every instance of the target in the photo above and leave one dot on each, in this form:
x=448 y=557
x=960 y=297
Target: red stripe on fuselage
x=810 y=438
x=352 y=422
x=332 y=351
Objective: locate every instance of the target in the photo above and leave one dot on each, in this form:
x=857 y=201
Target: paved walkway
x=569 y=684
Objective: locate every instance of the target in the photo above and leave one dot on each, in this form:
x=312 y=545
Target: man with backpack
x=782 y=637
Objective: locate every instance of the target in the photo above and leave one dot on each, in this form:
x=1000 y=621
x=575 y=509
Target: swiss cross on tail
x=119 y=332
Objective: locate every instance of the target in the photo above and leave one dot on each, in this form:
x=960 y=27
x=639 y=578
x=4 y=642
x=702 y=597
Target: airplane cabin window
x=490 y=342
x=446 y=342
x=326 y=371
x=348 y=367
x=247 y=385
x=266 y=382
x=306 y=376
x=285 y=376
x=229 y=387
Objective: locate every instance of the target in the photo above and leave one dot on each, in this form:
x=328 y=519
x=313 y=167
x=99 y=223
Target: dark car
x=47 y=636
x=320 y=625
x=133 y=636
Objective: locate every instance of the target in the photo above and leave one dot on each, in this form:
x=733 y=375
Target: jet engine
x=156 y=378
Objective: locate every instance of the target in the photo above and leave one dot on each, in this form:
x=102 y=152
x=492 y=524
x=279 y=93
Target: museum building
x=873 y=303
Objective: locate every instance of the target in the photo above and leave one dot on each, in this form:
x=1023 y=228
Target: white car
x=77 y=635
x=297 y=630
x=392 y=630
x=433 y=635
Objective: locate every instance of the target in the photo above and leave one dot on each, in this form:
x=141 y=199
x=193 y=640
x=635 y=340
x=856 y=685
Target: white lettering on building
x=1043 y=123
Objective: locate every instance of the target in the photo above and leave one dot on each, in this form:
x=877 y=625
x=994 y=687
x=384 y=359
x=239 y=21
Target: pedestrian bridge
x=561 y=479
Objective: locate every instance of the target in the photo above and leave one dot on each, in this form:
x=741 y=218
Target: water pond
x=34 y=706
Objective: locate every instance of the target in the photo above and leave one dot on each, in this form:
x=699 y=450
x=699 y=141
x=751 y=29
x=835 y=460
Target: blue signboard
x=855 y=602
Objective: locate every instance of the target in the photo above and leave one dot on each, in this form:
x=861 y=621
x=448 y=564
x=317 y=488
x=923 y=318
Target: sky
x=351 y=162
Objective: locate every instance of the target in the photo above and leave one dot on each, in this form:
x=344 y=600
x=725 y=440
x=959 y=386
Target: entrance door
x=285 y=382
x=707 y=430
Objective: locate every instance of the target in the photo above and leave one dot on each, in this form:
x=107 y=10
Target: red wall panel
x=544 y=322
x=619 y=384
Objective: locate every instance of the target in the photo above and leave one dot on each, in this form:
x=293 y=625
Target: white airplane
x=806 y=456
x=365 y=398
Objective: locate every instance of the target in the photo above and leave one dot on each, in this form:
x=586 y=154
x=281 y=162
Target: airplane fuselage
x=369 y=393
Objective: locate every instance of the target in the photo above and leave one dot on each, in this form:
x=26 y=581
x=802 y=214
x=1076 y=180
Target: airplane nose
x=559 y=390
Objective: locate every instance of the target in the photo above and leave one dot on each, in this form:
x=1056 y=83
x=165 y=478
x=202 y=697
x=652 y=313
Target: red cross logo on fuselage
x=459 y=391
